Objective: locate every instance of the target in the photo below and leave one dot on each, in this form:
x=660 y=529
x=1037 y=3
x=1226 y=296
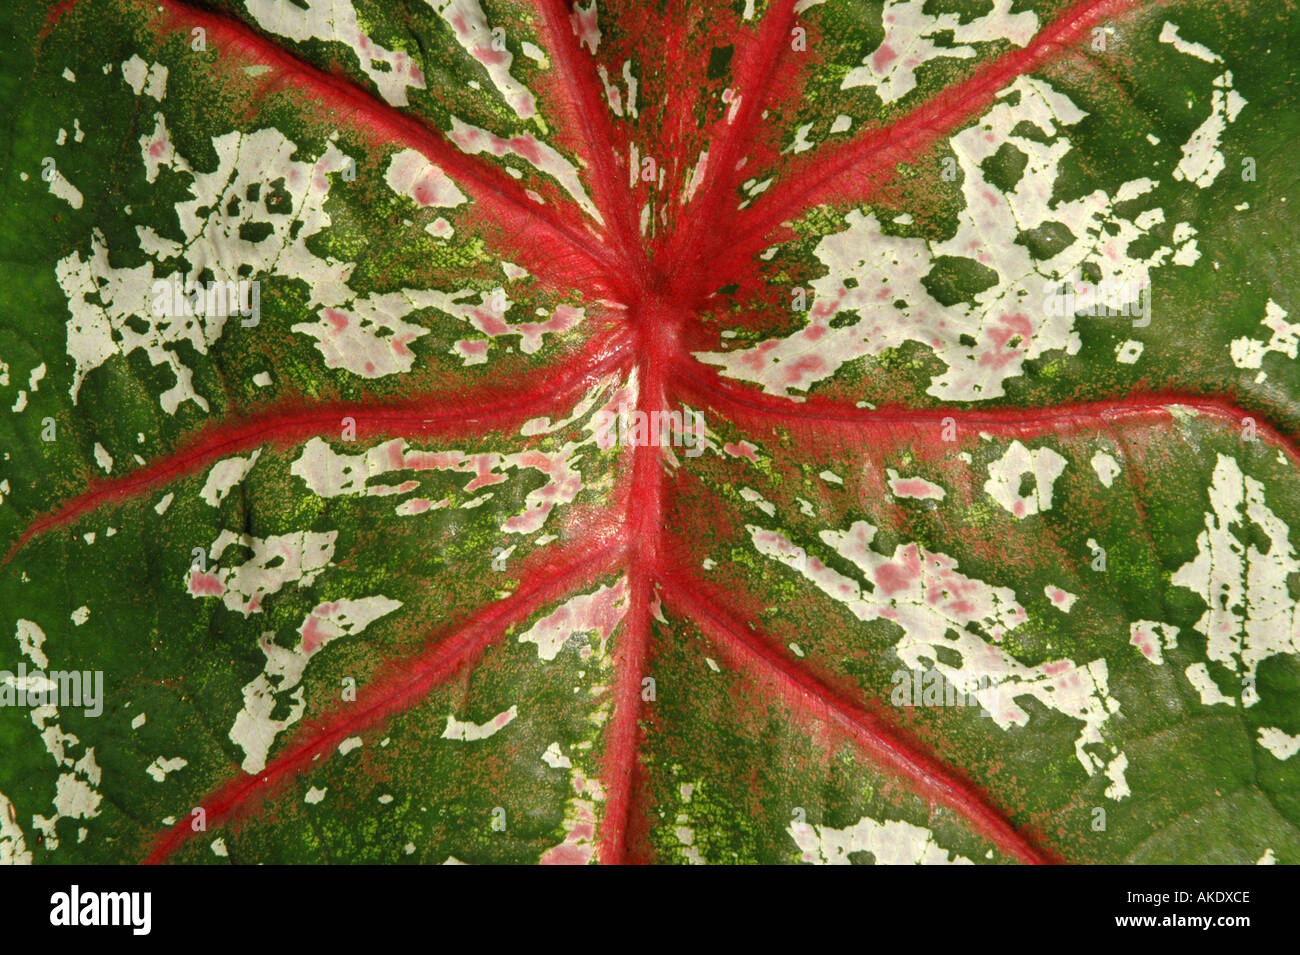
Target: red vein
x=614 y=203
x=656 y=323
x=286 y=425
x=754 y=84
x=882 y=741
x=1079 y=414
x=408 y=682
x=873 y=157
x=500 y=197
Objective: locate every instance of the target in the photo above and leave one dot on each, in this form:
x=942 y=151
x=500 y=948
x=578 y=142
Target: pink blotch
x=881 y=59
x=525 y=146
x=584 y=24
x=312 y=634
x=1145 y=644
x=742 y=450
x=566 y=854
x=894 y=577
x=484 y=463
x=487 y=322
x=206 y=585
x=912 y=487
x=806 y=365
x=488 y=56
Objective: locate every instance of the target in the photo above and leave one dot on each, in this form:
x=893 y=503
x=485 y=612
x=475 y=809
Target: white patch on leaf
x=1128 y=351
x=254 y=730
x=1152 y=638
x=1249 y=352
x=1202 y=160
x=329 y=473
x=103 y=458
x=1006 y=473
x=1063 y=600
x=1250 y=615
x=335 y=21
x=60 y=188
x=162 y=766
x=470 y=25
x=914 y=487
x=473 y=140
x=595 y=613
x=1169 y=34
x=75 y=794
x=13 y=847
x=467 y=731
x=1280 y=744
x=296 y=557
x=114 y=310
x=1105 y=467
x=936 y=607
x=892 y=842
x=554 y=758
x=909 y=43
x=30 y=639
x=1198 y=675
x=985 y=342
x=225 y=475
x=147 y=78
x=411 y=174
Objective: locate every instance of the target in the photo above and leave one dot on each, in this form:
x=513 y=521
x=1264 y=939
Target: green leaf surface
x=488 y=431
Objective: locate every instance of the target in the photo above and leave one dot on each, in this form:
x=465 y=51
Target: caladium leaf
x=476 y=431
